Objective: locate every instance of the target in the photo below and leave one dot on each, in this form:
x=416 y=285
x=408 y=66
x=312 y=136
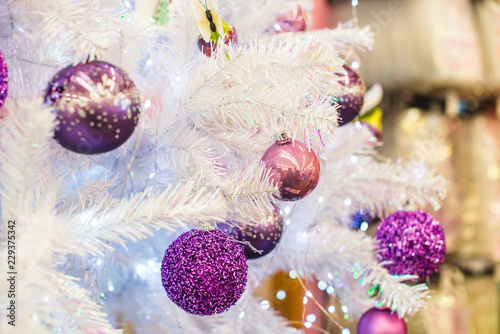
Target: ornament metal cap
x=206 y=227
x=283 y=135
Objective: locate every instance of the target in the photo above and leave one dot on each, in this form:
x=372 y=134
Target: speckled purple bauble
x=208 y=47
x=204 y=272
x=4 y=80
x=97 y=107
x=351 y=101
x=381 y=321
x=264 y=236
x=413 y=241
x=294 y=168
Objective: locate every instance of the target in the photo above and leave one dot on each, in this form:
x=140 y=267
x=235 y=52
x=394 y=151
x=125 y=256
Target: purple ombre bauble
x=263 y=236
x=4 y=80
x=352 y=95
x=413 y=241
x=204 y=272
x=381 y=321
x=97 y=107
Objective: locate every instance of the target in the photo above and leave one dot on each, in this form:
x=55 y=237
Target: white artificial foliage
x=92 y=227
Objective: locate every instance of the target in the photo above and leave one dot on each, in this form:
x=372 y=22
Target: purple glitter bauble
x=294 y=168
x=381 y=321
x=264 y=236
x=413 y=241
x=97 y=107
x=293 y=21
x=353 y=94
x=204 y=272
x=208 y=47
x=4 y=79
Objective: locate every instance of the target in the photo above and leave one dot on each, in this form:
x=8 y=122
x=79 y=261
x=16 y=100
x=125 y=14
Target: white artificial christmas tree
x=91 y=230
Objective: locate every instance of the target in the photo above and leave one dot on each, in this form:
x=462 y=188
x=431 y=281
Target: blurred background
x=438 y=62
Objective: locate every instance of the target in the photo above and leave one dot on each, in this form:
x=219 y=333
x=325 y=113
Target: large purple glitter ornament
x=204 y=272
x=4 y=79
x=293 y=21
x=381 y=321
x=97 y=107
x=413 y=241
x=294 y=168
x=264 y=236
x=353 y=93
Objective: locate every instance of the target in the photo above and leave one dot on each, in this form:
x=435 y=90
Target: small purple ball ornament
x=294 y=168
x=230 y=36
x=204 y=272
x=264 y=236
x=381 y=321
x=413 y=241
x=353 y=93
x=97 y=106
x=4 y=79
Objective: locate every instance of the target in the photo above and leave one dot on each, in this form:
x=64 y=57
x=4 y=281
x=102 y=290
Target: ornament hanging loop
x=283 y=135
x=206 y=227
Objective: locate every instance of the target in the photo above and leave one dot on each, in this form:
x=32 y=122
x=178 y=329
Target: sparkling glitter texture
x=293 y=21
x=230 y=36
x=264 y=236
x=413 y=241
x=381 y=321
x=352 y=98
x=204 y=272
x=97 y=107
x=294 y=168
x=4 y=79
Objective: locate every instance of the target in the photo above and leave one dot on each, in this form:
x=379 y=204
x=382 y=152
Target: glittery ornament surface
x=264 y=236
x=293 y=21
x=97 y=107
x=207 y=48
x=4 y=79
x=352 y=97
x=294 y=168
x=204 y=272
x=413 y=241
x=381 y=321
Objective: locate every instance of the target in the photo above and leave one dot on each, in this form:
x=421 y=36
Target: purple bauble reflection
x=208 y=47
x=294 y=168
x=4 y=79
x=264 y=236
x=97 y=107
x=381 y=321
x=351 y=100
x=204 y=272
x=293 y=21
x=413 y=241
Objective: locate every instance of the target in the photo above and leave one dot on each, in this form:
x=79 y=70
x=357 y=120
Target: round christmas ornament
x=362 y=220
x=413 y=241
x=4 y=79
x=97 y=107
x=294 y=168
x=351 y=100
x=264 y=236
x=381 y=321
x=293 y=21
x=230 y=36
x=204 y=272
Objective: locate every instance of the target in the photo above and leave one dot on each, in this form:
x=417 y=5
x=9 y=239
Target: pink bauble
x=294 y=168
x=293 y=21
x=381 y=321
